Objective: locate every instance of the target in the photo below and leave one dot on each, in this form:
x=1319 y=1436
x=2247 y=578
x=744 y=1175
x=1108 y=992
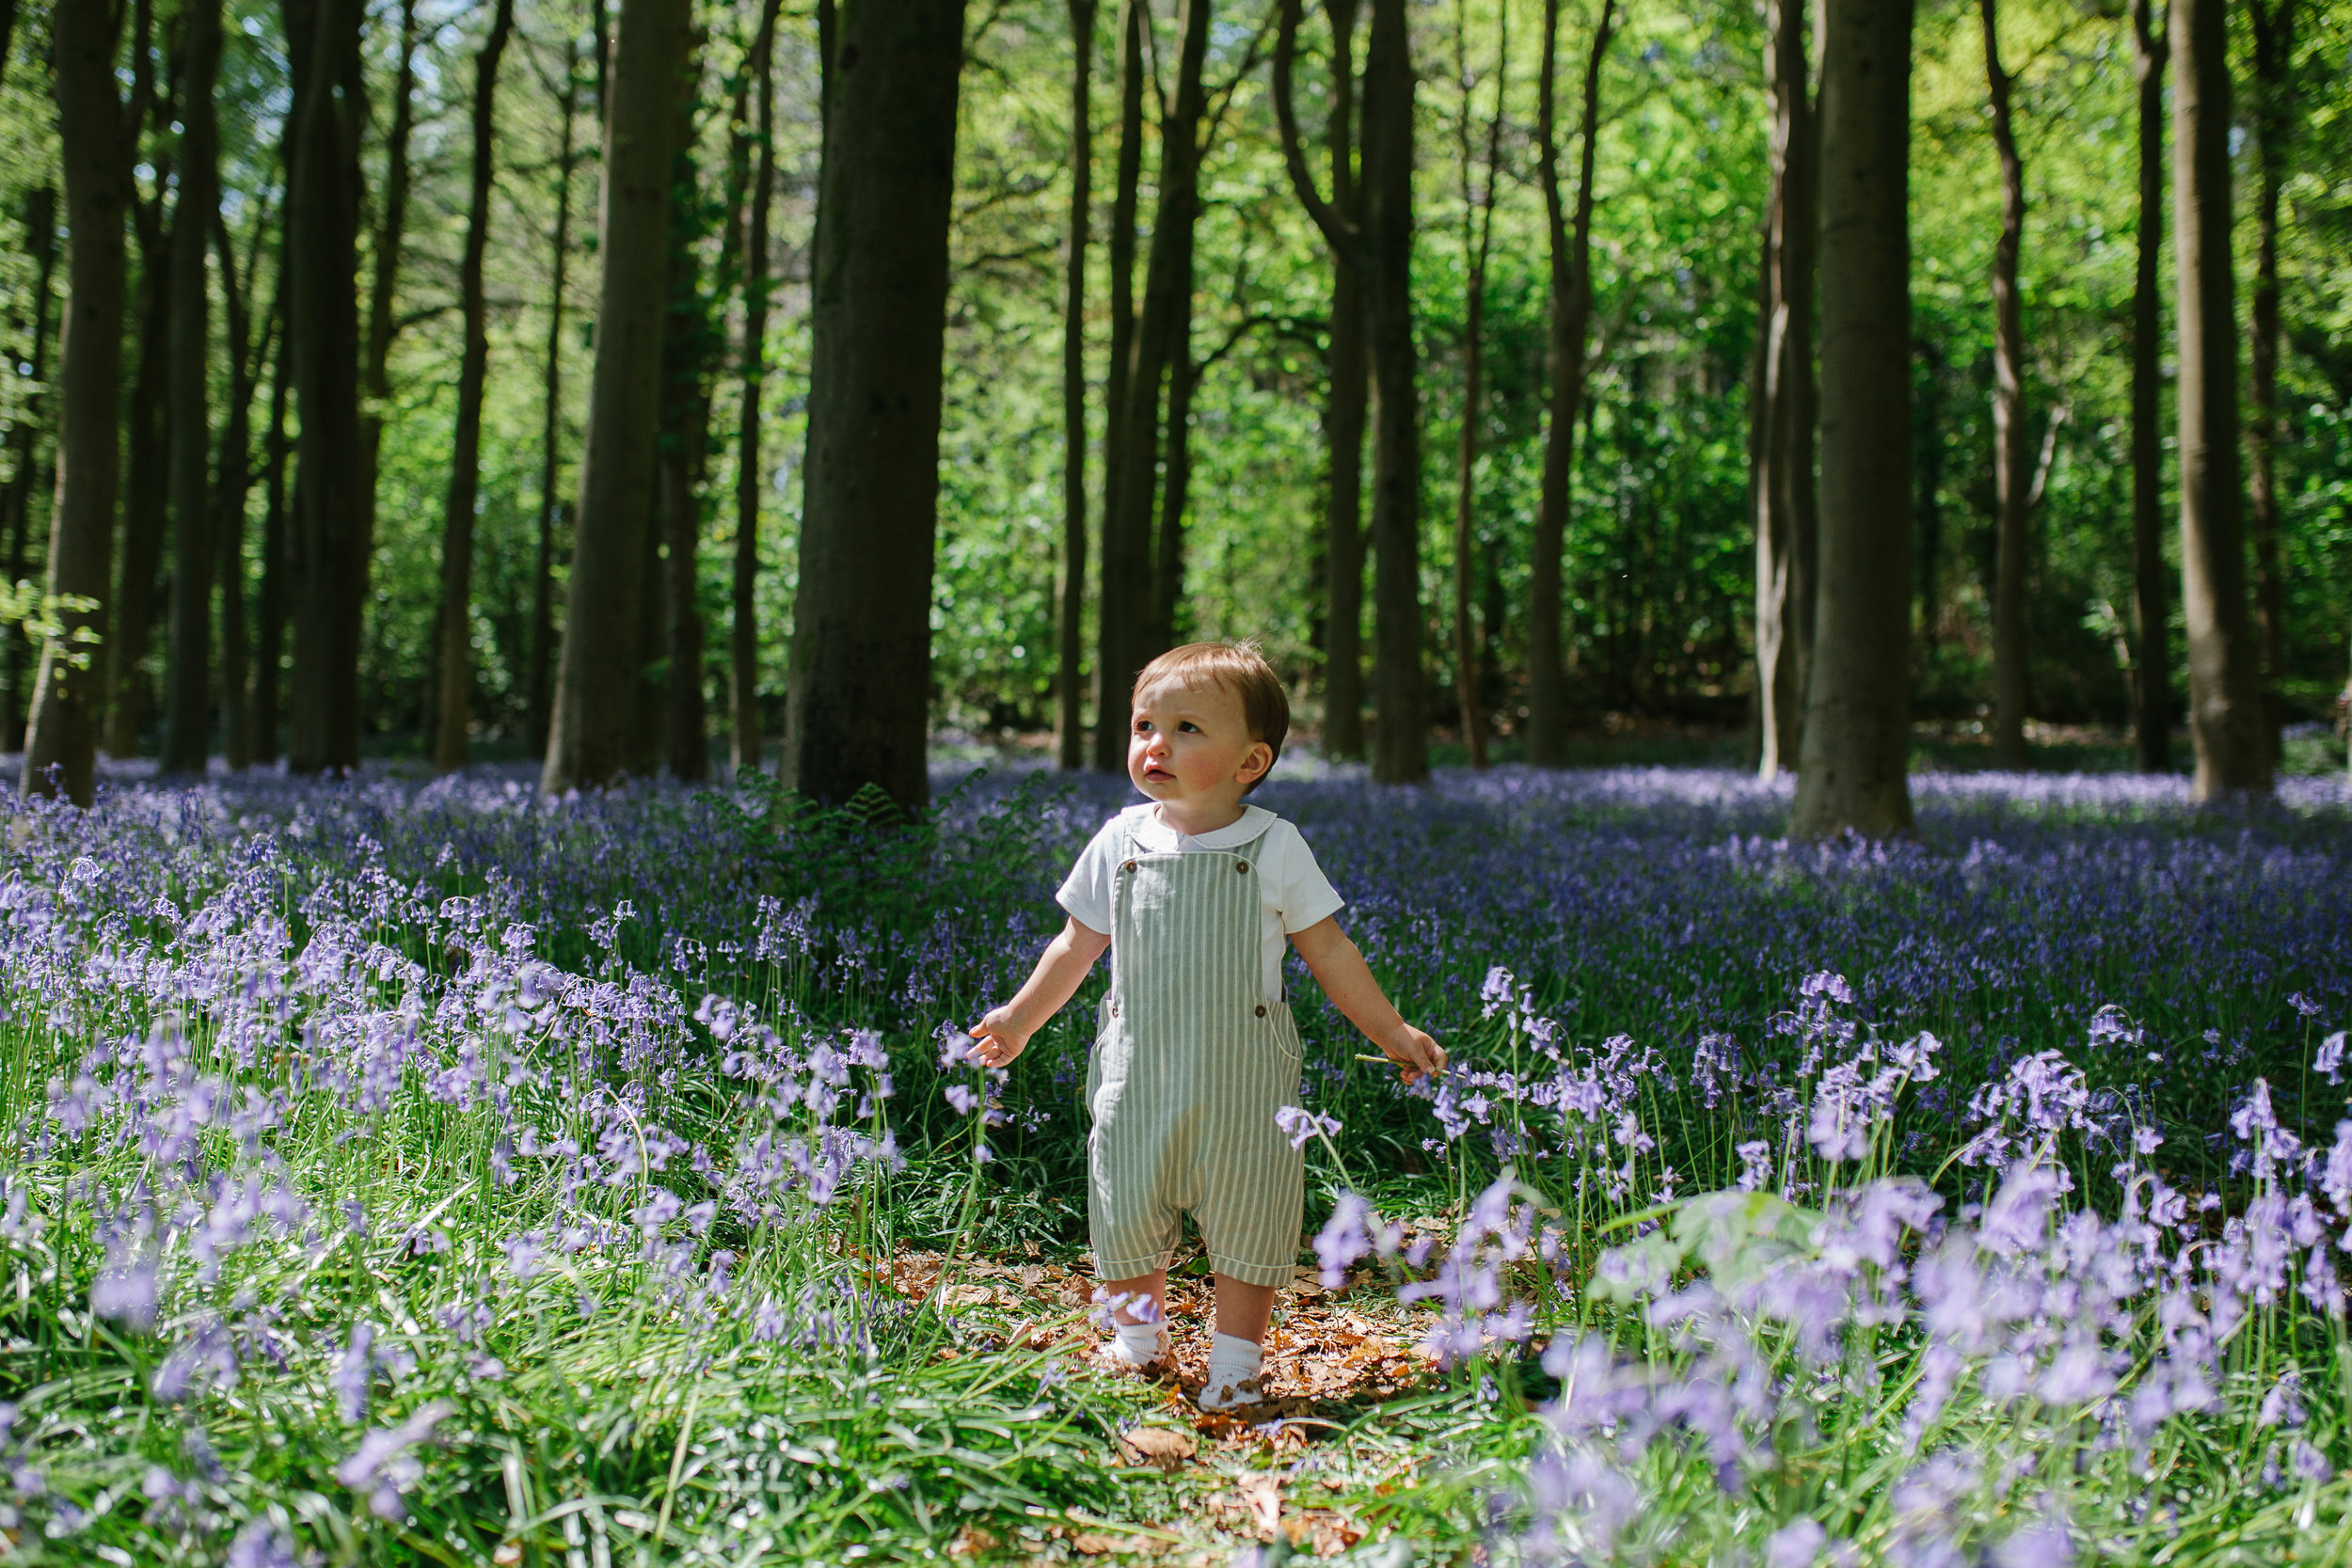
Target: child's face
x=1190 y=745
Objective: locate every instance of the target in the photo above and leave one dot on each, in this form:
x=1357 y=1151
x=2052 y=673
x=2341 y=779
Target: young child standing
x=1194 y=894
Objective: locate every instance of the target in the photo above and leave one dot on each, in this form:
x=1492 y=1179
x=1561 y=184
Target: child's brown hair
x=1241 y=669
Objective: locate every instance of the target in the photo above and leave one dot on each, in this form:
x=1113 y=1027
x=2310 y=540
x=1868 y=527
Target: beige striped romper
x=1191 y=1062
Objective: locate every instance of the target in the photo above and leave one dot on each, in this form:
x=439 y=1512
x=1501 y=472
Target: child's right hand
x=996 y=1039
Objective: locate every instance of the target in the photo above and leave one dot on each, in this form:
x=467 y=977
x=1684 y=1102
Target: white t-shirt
x=1296 y=896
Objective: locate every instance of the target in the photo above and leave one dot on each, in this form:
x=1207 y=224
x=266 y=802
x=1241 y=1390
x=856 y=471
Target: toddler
x=1195 y=1051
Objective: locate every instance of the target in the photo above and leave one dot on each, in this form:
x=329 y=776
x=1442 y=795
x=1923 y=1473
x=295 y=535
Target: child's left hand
x=1414 y=1053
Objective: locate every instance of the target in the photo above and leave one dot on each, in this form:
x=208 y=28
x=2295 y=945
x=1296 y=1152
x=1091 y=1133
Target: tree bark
x=2224 y=689
x=1110 y=696
x=1183 y=375
x=329 y=540
x=95 y=138
x=2151 y=667
x=232 y=479
x=858 y=705
x=1570 y=247
x=688 y=342
x=453 y=711
x=1927 y=504
x=270 y=611
x=550 y=426
x=188 y=711
x=1070 y=734
x=1857 y=710
x=16 y=504
x=1478 y=228
x=2274 y=128
x=2012 y=441
x=1782 y=415
x=384 y=280
x=591 y=740
x=146 y=481
x=750 y=475
x=1125 y=616
x=1346 y=403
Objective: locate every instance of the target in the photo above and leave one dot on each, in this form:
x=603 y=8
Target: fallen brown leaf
x=1164 y=1445
x=1092 y=1544
x=1263 y=1493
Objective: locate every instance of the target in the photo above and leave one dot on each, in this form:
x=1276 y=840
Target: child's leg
x=1139 y=1337
x=1235 y=1357
x=1154 y=1285
x=1243 y=1309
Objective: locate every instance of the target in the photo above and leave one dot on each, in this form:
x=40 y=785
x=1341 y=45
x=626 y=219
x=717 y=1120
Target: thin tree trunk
x=2151 y=667
x=2224 y=667
x=1184 y=376
x=232 y=478
x=2274 y=129
x=1857 y=726
x=1784 y=411
x=591 y=740
x=1110 y=695
x=1478 y=228
x=1572 y=318
x=2012 y=441
x=1346 y=404
x=750 y=475
x=454 y=712
x=686 y=350
x=384 y=282
x=1070 y=734
x=145 y=483
x=269 y=632
x=859 y=700
x=188 y=711
x=40 y=243
x=1927 y=503
x=551 y=425
x=1126 y=617
x=329 y=540
x=94 y=134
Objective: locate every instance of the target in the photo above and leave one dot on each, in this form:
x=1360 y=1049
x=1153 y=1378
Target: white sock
x=1231 y=1362
x=1140 y=1344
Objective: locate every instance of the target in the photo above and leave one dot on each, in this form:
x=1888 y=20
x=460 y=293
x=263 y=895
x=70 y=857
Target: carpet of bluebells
x=408 y=1173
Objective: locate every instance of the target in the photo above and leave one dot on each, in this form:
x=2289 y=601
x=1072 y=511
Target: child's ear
x=1255 y=761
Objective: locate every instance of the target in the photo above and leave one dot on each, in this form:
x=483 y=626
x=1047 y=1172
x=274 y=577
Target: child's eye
x=1188 y=724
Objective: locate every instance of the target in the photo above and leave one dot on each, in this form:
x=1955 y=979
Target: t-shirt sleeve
x=1084 y=895
x=1307 y=896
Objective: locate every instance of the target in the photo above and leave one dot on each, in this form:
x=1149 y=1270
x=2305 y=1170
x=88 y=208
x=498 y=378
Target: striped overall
x=1191 y=1062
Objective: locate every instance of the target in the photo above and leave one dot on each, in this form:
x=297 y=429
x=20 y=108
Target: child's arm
x=1000 y=1036
x=1339 y=968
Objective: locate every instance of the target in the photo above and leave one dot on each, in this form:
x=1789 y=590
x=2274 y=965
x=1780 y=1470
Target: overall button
x=1242 y=866
x=1129 y=866
x=1261 y=1009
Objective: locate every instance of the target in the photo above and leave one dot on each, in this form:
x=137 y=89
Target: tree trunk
x=1571 y=317
x=269 y=631
x=1782 y=417
x=1125 y=613
x=743 y=655
x=1183 y=375
x=592 y=740
x=145 y=483
x=2151 y=667
x=1927 y=504
x=1478 y=228
x=1070 y=734
x=1400 y=750
x=2224 y=689
x=232 y=478
x=1110 y=695
x=1346 y=404
x=188 y=711
x=2012 y=441
x=40 y=243
x=454 y=712
x=2274 y=128
x=329 y=540
x=61 y=743
x=859 y=702
x=687 y=344
x=550 y=426
x=383 y=291
x=1858 y=725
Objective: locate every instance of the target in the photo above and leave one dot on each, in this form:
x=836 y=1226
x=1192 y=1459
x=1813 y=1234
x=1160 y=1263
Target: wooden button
x=1261 y=1009
x=1129 y=866
x=1242 y=866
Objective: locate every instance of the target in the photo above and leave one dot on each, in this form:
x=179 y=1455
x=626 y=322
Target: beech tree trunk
x=687 y=346
x=187 y=710
x=1781 y=418
x=145 y=480
x=95 y=139
x=592 y=741
x=2012 y=441
x=551 y=425
x=2224 y=686
x=271 y=610
x=859 y=701
x=1478 y=228
x=1570 y=244
x=1346 y=403
x=750 y=475
x=329 y=540
x=1126 y=618
x=2152 y=666
x=454 y=712
x=383 y=324
x=232 y=478
x=1110 y=695
x=1858 y=725
x=1168 y=558
x=16 y=504
x=1070 y=734
x=2274 y=128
